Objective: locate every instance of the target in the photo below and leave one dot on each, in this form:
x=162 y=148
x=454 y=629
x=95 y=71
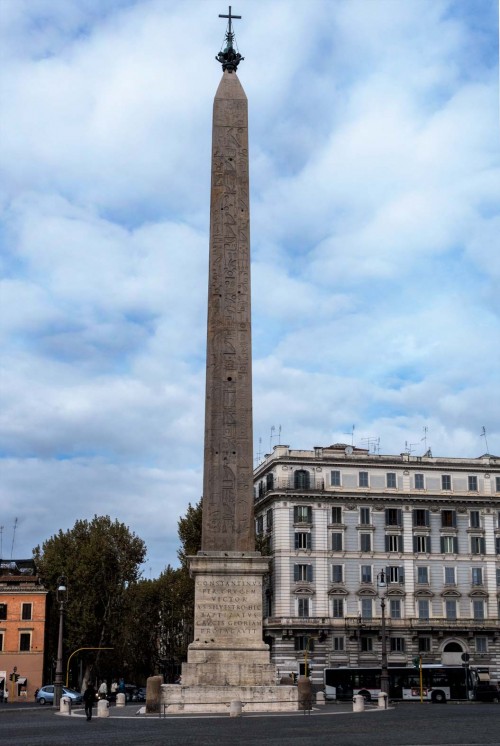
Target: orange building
x=22 y=629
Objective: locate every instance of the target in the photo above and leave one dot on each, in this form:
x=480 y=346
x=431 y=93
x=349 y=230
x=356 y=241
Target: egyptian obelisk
x=228 y=660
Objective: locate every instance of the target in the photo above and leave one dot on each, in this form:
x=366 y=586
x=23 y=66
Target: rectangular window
x=366 y=573
x=365 y=542
x=338 y=644
x=335 y=478
x=472 y=482
x=302 y=540
x=395 y=574
x=474 y=519
x=448 y=519
x=270 y=481
x=421 y=544
x=450 y=609
x=366 y=608
x=498 y=575
x=337 y=573
x=391 y=481
x=393 y=543
x=477 y=576
x=26 y=611
x=338 y=608
x=366 y=644
x=303 y=642
x=445 y=482
x=3 y=611
x=395 y=608
x=303 y=573
x=337 y=542
x=25 y=642
x=363 y=479
x=393 y=517
x=421 y=518
x=303 y=607
x=424 y=644
x=423 y=609
x=481 y=645
x=497 y=545
x=419 y=481
x=478 y=609
x=423 y=575
x=449 y=576
x=497 y=484
x=1 y=642
x=269 y=519
x=397 y=644
x=449 y=545
x=259 y=525
x=336 y=515
x=302 y=514
x=477 y=545
x=364 y=516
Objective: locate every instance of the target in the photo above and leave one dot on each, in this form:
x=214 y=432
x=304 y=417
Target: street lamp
x=384 y=678
x=61 y=597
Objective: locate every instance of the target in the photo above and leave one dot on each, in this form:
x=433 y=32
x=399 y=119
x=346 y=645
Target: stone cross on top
x=229 y=57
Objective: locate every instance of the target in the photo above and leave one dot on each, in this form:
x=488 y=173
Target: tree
x=100 y=559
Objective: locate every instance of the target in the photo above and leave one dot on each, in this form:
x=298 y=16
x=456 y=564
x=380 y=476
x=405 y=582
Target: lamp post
x=58 y=682
x=384 y=678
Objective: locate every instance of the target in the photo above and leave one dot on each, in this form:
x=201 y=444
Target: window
x=391 y=481
x=337 y=542
x=363 y=479
x=364 y=516
x=335 y=478
x=301 y=479
x=338 y=644
x=450 y=609
x=421 y=518
x=261 y=488
x=302 y=514
x=481 y=645
x=336 y=515
x=3 y=611
x=338 y=608
x=26 y=611
x=393 y=543
x=303 y=573
x=366 y=608
x=25 y=642
x=337 y=573
x=304 y=642
x=449 y=545
x=421 y=544
x=472 y=482
x=445 y=482
x=1 y=642
x=497 y=484
x=395 y=574
x=365 y=542
x=303 y=607
x=478 y=609
x=449 y=576
x=477 y=576
x=477 y=545
x=423 y=609
x=395 y=608
x=366 y=644
x=448 y=519
x=424 y=644
x=397 y=644
x=269 y=519
x=393 y=517
x=259 y=525
x=474 y=519
x=498 y=575
x=270 y=481
x=302 y=540
x=366 y=573
x=419 y=481
x=423 y=575
x=497 y=545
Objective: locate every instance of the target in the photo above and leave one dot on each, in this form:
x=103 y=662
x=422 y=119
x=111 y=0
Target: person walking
x=89 y=696
x=103 y=690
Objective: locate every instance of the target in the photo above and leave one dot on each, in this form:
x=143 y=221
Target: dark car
x=487 y=693
x=139 y=695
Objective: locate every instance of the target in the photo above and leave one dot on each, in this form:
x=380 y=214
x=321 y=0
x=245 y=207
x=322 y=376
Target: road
x=405 y=725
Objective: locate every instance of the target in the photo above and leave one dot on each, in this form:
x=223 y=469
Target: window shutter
x=415 y=540
x=401 y=575
x=297 y=541
x=400 y=542
x=455 y=544
x=387 y=539
x=428 y=544
x=400 y=517
x=308 y=541
x=427 y=518
x=454 y=519
x=309 y=573
x=296 y=515
x=296 y=572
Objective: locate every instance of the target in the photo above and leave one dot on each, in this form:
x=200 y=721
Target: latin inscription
x=228 y=607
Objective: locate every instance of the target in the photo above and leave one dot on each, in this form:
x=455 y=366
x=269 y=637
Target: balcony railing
x=353 y=623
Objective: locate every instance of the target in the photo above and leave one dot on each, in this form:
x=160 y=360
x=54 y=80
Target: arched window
x=452 y=647
x=301 y=479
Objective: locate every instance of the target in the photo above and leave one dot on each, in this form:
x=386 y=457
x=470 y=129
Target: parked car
x=45 y=695
x=486 y=692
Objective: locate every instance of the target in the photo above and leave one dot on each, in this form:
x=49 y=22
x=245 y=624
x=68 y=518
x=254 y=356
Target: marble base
x=217 y=699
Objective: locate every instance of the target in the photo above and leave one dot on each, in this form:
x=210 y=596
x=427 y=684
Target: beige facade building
x=336 y=517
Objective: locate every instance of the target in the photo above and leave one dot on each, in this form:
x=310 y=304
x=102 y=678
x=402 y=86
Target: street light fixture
x=384 y=678
x=62 y=593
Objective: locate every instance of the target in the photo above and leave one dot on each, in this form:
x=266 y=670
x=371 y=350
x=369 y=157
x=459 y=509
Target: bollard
x=382 y=701
x=120 y=699
x=65 y=706
x=103 y=708
x=320 y=698
x=235 y=708
x=358 y=703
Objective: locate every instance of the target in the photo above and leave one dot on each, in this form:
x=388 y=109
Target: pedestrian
x=114 y=686
x=103 y=690
x=89 y=696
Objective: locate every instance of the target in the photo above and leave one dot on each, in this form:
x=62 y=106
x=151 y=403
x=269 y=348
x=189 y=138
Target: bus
x=439 y=683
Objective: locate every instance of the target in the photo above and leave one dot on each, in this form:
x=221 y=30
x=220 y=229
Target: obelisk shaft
x=228 y=523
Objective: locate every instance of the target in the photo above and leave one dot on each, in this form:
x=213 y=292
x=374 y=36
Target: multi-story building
x=336 y=517
x=22 y=629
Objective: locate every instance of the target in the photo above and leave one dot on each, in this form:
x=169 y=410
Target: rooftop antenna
x=426 y=430
x=409 y=447
x=279 y=435
x=372 y=442
x=271 y=439
x=13 y=538
x=483 y=435
x=259 y=452
x=351 y=434
x=1 y=542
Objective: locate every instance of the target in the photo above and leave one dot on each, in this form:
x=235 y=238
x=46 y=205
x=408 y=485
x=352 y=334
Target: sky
x=375 y=232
